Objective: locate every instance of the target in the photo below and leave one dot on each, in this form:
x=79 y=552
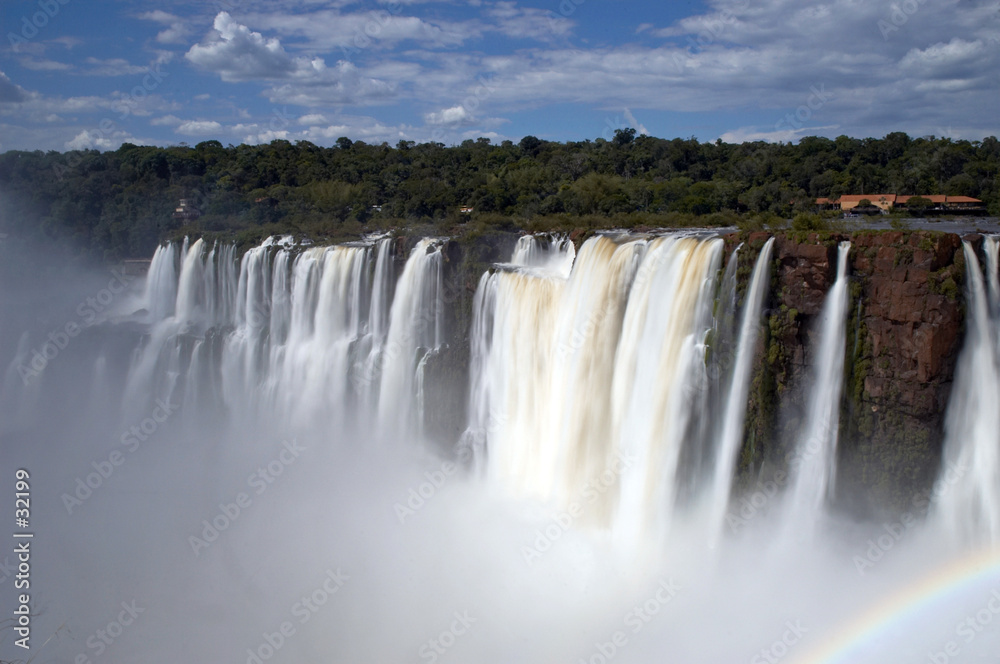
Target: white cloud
x=755 y=60
x=159 y=16
x=790 y=135
x=37 y=64
x=944 y=59
x=351 y=34
x=528 y=23
x=341 y=84
x=492 y=135
x=97 y=140
x=237 y=53
x=453 y=115
x=177 y=30
x=764 y=55
x=266 y=136
x=175 y=34
x=635 y=124
x=312 y=119
x=199 y=128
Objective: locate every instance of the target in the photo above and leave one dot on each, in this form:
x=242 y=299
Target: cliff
x=904 y=334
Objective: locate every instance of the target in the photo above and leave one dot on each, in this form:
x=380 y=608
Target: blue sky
x=78 y=74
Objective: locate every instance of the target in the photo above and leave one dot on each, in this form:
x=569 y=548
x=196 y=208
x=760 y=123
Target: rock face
x=903 y=338
x=904 y=333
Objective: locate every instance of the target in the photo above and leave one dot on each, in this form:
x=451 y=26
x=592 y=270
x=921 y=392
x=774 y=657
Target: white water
x=415 y=332
x=306 y=331
x=967 y=494
x=554 y=252
x=588 y=390
x=731 y=436
x=507 y=379
x=299 y=326
x=813 y=468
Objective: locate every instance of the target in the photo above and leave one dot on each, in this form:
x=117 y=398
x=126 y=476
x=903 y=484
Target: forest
x=120 y=204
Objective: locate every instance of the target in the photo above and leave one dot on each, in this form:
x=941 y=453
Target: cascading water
x=588 y=388
x=535 y=274
x=415 y=333
x=161 y=283
x=302 y=332
x=604 y=388
x=555 y=253
x=967 y=495
x=731 y=434
x=814 y=464
x=660 y=384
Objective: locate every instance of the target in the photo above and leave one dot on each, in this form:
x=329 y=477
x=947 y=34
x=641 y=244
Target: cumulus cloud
x=237 y=53
x=770 y=56
x=453 y=115
x=748 y=63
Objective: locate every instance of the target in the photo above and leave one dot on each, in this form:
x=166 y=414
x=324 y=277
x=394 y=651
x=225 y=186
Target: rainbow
x=858 y=636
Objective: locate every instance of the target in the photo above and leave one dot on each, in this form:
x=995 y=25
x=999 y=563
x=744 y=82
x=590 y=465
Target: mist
x=220 y=474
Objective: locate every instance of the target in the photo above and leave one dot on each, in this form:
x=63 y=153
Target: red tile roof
x=853 y=198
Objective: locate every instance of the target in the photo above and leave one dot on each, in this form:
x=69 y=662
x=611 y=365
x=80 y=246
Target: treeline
x=120 y=204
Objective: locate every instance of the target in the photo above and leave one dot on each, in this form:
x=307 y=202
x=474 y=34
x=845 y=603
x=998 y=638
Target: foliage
x=918 y=205
x=809 y=222
x=120 y=204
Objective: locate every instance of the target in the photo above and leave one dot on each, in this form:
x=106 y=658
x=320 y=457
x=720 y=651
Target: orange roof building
x=886 y=202
x=881 y=201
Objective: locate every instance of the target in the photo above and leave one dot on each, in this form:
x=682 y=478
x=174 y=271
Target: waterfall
x=416 y=322
x=735 y=407
x=585 y=386
x=814 y=466
x=191 y=285
x=547 y=252
x=660 y=384
x=579 y=447
x=161 y=283
x=303 y=333
x=512 y=365
x=308 y=375
x=966 y=500
x=365 y=378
